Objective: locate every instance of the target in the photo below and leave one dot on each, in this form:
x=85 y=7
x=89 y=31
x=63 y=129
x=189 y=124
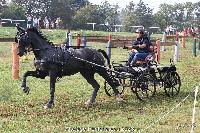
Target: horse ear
x=20 y=29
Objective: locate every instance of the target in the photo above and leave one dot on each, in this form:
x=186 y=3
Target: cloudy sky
x=151 y=3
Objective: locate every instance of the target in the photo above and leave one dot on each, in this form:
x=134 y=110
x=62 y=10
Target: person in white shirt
x=35 y=22
x=46 y=22
x=29 y=19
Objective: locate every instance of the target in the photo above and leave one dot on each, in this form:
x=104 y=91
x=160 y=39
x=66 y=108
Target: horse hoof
x=47 y=106
x=119 y=98
x=88 y=104
x=26 y=90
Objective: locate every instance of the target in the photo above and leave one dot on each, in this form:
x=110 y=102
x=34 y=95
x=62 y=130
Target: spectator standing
x=196 y=30
x=167 y=30
x=35 y=22
x=46 y=22
x=52 y=24
x=170 y=30
x=58 y=22
x=29 y=21
x=40 y=23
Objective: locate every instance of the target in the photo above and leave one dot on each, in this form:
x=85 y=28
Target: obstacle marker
x=176 y=51
x=194 y=47
x=84 y=42
x=70 y=38
x=183 y=39
x=109 y=45
x=164 y=40
x=198 y=47
x=78 y=40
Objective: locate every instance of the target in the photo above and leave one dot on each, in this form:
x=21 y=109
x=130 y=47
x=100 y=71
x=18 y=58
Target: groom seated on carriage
x=140 y=48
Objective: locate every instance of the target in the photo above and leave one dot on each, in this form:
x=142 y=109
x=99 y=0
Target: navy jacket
x=143 y=40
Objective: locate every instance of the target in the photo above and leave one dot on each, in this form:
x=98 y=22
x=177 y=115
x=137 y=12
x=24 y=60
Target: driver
x=140 y=47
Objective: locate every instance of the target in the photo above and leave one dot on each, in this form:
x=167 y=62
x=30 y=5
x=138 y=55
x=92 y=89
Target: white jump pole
x=193 y=113
x=70 y=39
x=176 y=51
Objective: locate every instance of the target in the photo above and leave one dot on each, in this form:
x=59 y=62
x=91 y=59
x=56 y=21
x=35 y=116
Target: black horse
x=56 y=62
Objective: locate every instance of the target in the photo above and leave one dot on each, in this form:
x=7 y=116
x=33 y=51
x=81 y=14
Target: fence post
x=176 y=51
x=194 y=47
x=177 y=36
x=183 y=39
x=15 y=62
x=198 y=44
x=109 y=45
x=84 y=41
x=158 y=51
x=164 y=40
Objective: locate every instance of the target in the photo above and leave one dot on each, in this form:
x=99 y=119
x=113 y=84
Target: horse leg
x=89 y=76
x=112 y=82
x=23 y=82
x=50 y=102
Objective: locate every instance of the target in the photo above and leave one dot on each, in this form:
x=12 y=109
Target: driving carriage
x=57 y=62
x=144 y=77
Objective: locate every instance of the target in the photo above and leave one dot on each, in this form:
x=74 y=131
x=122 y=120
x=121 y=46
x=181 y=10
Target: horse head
x=23 y=41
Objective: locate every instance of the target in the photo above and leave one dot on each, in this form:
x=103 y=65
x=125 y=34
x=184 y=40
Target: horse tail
x=106 y=56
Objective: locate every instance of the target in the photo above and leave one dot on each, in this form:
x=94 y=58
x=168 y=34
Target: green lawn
x=25 y=113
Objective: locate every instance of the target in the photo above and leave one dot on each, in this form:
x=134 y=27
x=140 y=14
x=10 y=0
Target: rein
x=108 y=69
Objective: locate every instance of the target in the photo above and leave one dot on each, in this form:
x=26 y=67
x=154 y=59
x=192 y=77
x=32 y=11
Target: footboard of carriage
x=145 y=79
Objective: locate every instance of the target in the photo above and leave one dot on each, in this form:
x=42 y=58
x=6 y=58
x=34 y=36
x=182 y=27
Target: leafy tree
x=14 y=12
x=140 y=15
x=109 y=14
x=189 y=13
x=77 y=4
x=128 y=16
x=197 y=14
x=179 y=15
x=52 y=8
x=32 y=7
x=87 y=14
x=61 y=9
x=143 y=14
x=164 y=16
x=2 y=5
x=3 y=2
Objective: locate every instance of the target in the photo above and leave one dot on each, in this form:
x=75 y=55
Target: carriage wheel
x=172 y=84
x=109 y=90
x=145 y=87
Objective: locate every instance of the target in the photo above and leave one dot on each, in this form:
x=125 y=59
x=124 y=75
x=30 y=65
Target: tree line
x=75 y=14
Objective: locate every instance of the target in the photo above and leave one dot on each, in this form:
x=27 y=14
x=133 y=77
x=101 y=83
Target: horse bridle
x=26 y=40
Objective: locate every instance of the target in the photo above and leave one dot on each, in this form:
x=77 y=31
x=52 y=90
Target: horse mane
x=39 y=33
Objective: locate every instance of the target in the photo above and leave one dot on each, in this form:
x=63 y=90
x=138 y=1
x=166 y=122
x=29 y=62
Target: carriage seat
x=151 y=57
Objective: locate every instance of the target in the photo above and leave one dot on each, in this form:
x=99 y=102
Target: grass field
x=25 y=113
